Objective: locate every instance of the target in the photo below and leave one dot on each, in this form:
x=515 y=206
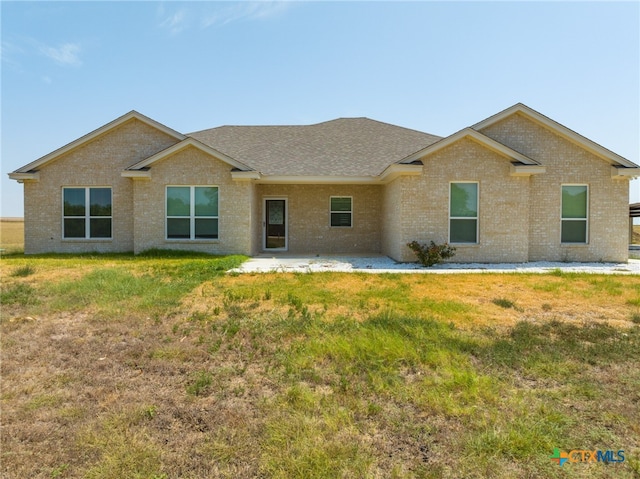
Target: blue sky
x=70 y=67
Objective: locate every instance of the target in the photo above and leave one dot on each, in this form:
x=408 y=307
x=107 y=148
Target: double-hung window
x=341 y=211
x=463 y=212
x=86 y=213
x=192 y=212
x=575 y=211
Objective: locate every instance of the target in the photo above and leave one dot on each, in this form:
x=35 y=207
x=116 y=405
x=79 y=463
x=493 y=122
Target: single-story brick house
x=514 y=187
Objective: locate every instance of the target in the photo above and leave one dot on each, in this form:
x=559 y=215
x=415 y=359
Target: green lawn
x=163 y=366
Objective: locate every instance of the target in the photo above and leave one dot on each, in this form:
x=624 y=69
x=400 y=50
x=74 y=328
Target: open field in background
x=162 y=366
x=636 y=234
x=12 y=235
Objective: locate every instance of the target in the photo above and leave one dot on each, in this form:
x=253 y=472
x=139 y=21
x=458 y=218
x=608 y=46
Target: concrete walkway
x=384 y=264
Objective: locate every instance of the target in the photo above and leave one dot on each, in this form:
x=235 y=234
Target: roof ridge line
x=313 y=125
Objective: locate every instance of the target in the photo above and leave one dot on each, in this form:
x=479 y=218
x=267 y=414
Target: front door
x=275 y=224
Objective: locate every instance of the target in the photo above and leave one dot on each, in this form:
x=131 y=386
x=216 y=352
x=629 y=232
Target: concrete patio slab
x=384 y=264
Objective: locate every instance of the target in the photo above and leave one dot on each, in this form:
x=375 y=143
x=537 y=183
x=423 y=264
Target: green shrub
x=431 y=254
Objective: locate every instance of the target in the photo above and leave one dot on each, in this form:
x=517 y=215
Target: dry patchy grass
x=12 y=235
x=465 y=300
x=148 y=367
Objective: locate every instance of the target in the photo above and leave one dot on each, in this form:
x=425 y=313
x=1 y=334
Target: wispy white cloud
x=260 y=10
x=222 y=13
x=256 y=10
x=175 y=22
x=8 y=52
x=268 y=9
x=65 y=54
x=8 y=48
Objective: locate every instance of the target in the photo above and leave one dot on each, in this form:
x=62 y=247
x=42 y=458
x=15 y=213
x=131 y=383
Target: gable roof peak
x=133 y=114
x=559 y=129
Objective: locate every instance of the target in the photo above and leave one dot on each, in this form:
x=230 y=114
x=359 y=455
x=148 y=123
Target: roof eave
x=239 y=175
x=21 y=177
x=136 y=174
x=526 y=170
x=625 y=173
x=400 y=169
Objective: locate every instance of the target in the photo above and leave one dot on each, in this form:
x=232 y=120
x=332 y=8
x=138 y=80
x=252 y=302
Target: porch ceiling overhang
x=388 y=175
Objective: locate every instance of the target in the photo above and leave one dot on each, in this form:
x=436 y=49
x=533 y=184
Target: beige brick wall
x=192 y=167
x=97 y=163
x=503 y=199
x=568 y=163
x=519 y=216
x=257 y=205
x=309 y=225
x=393 y=238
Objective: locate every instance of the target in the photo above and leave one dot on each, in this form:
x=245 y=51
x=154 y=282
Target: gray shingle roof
x=342 y=147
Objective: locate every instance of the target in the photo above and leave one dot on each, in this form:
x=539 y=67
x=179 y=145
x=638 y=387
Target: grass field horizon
x=163 y=366
x=12 y=235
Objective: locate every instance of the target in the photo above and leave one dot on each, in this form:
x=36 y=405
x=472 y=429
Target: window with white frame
x=192 y=212
x=575 y=212
x=463 y=212
x=86 y=213
x=341 y=211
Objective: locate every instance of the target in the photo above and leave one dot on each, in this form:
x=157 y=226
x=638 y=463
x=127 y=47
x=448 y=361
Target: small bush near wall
x=431 y=254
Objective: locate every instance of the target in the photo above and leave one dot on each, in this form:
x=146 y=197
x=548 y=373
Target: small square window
x=341 y=211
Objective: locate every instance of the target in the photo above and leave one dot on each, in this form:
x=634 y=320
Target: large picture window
x=463 y=213
x=575 y=209
x=192 y=212
x=86 y=213
x=341 y=211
